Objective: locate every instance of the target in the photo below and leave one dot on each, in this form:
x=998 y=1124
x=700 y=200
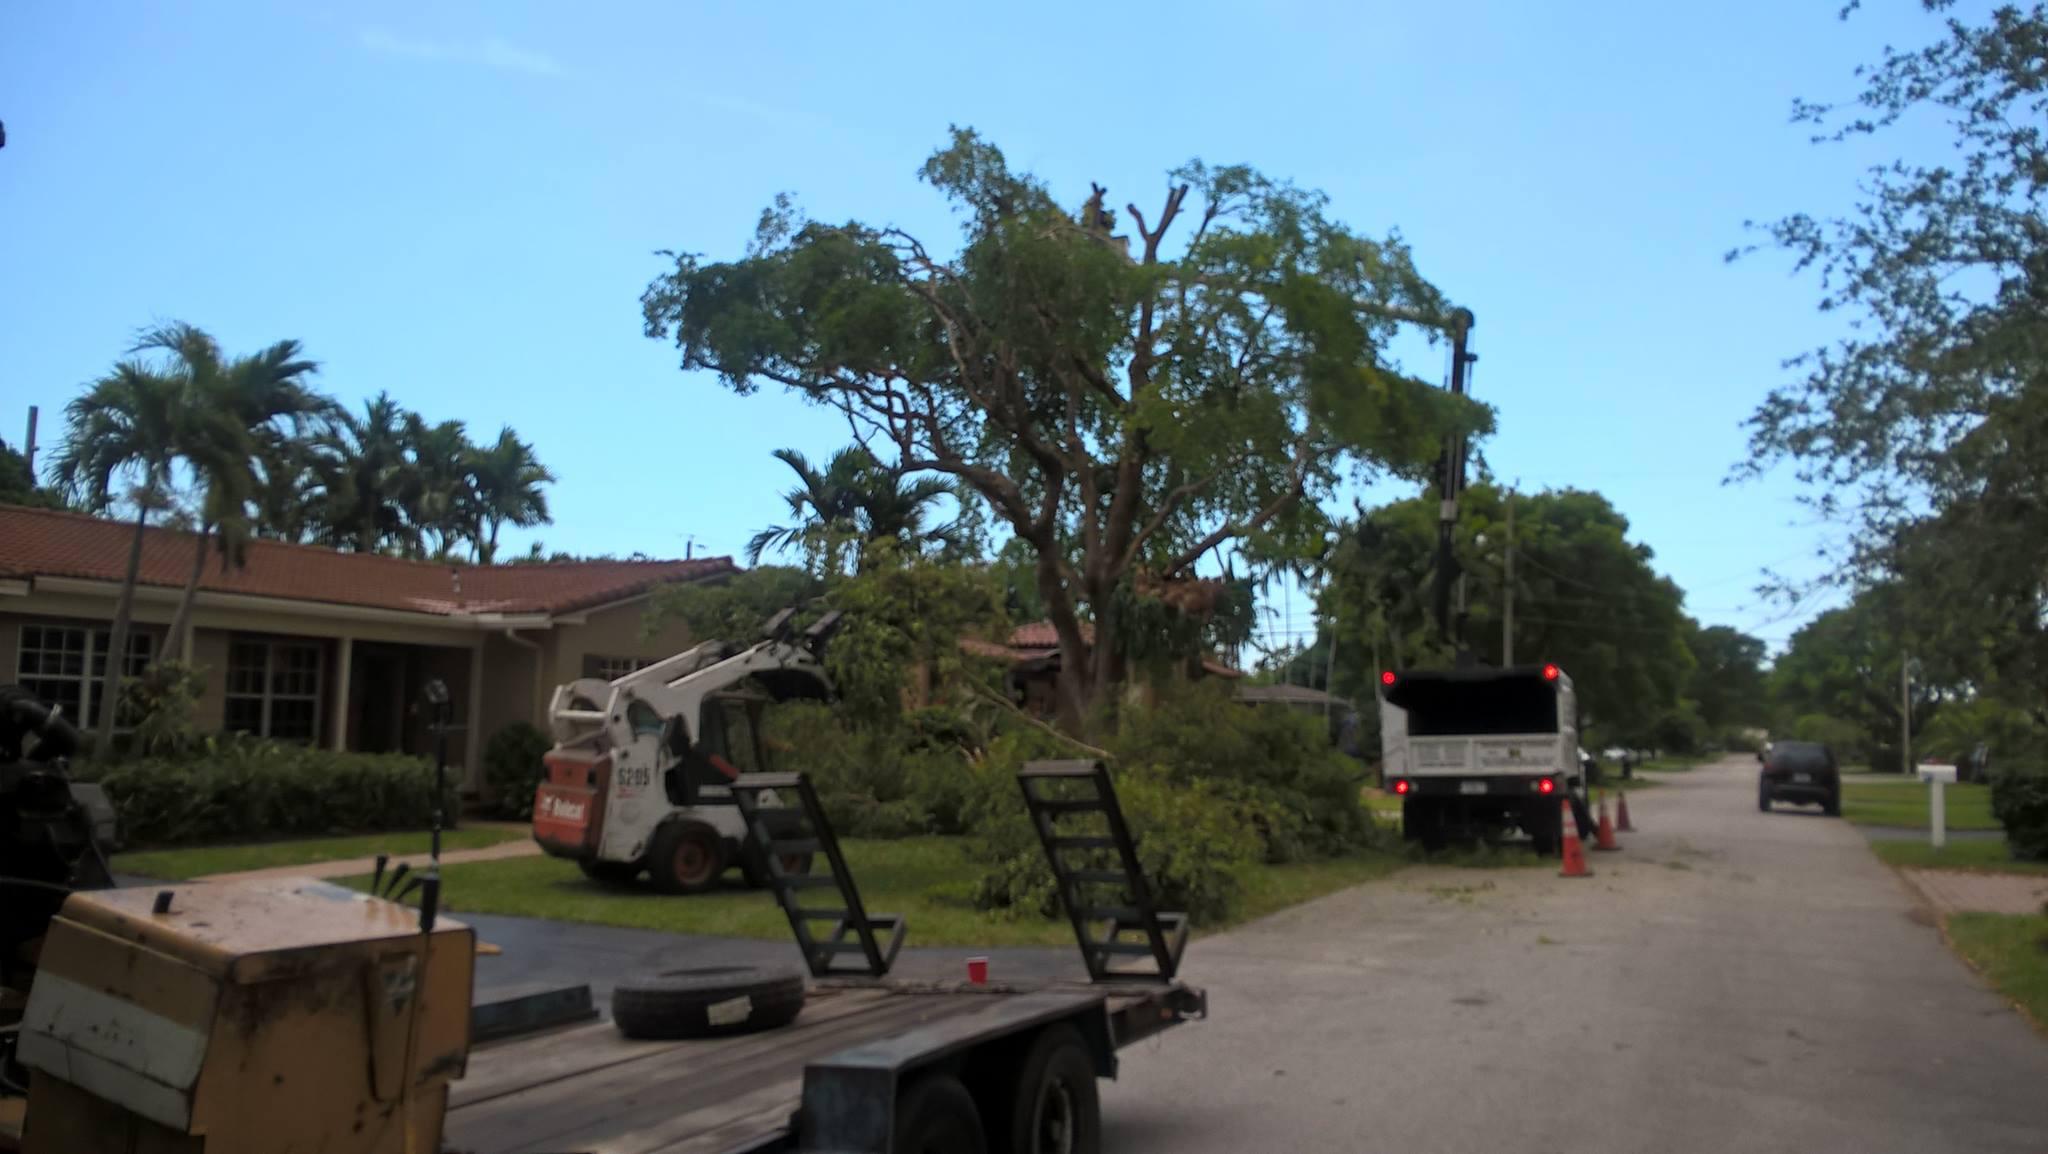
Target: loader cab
x=727 y=743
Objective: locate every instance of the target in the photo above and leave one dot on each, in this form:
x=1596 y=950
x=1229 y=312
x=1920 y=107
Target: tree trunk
x=1070 y=689
x=117 y=643
x=487 y=549
x=178 y=636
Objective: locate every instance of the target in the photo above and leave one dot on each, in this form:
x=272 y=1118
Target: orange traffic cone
x=1604 y=839
x=1574 y=853
x=1621 y=821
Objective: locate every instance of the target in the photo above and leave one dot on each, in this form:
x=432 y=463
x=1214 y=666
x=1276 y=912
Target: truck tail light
x=1401 y=786
x=1545 y=785
x=1550 y=673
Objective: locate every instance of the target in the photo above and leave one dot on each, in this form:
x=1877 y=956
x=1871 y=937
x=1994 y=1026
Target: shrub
x=2019 y=799
x=881 y=781
x=513 y=768
x=1193 y=843
x=1275 y=764
x=159 y=706
x=232 y=789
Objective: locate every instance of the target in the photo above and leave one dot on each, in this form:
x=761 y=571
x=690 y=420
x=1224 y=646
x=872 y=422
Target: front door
x=376 y=695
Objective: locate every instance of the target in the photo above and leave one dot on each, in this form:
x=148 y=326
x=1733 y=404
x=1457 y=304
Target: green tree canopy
x=1585 y=598
x=1927 y=423
x=1118 y=404
x=1844 y=665
x=18 y=486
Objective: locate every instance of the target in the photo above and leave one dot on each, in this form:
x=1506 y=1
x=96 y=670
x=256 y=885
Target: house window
x=612 y=668
x=274 y=688
x=54 y=660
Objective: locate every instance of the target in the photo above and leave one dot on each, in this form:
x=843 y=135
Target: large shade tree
x=1926 y=424
x=1123 y=405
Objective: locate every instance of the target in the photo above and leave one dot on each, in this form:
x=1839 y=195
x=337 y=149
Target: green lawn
x=926 y=879
x=1978 y=855
x=1905 y=804
x=181 y=864
x=2012 y=951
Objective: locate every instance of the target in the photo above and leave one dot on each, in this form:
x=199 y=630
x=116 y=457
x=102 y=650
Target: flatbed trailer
x=855 y=1072
x=822 y=1083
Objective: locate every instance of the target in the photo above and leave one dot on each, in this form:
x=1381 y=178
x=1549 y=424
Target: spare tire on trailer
x=707 y=1001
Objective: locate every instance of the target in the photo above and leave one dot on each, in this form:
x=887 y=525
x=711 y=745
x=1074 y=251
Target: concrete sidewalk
x=352 y=867
x=1955 y=891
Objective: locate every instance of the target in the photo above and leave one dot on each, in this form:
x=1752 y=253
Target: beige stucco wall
x=613 y=632
x=210 y=655
x=509 y=687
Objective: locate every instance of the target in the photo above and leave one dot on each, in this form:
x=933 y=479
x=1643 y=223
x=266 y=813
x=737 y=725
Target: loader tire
x=707 y=1001
x=686 y=858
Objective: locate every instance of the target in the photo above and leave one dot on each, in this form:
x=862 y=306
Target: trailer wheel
x=707 y=1001
x=936 y=1115
x=610 y=873
x=686 y=858
x=1057 y=1109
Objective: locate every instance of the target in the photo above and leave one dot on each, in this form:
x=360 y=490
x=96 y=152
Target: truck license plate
x=1802 y=777
x=1471 y=787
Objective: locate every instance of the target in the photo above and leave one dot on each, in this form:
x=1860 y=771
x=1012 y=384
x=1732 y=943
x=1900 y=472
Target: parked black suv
x=1800 y=771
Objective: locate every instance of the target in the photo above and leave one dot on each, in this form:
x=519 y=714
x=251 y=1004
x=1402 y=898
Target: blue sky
x=460 y=202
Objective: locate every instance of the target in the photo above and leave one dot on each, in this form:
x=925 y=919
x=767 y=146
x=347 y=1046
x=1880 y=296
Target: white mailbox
x=1937 y=775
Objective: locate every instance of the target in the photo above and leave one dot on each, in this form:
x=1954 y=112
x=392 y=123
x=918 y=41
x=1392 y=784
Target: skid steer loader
x=639 y=779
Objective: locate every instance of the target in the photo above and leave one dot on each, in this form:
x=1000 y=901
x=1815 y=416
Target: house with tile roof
x=303 y=643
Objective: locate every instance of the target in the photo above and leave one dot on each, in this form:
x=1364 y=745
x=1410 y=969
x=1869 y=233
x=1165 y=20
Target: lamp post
x=437 y=696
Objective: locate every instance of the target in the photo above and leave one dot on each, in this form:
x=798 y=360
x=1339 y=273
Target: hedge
x=513 y=769
x=243 y=790
x=2019 y=799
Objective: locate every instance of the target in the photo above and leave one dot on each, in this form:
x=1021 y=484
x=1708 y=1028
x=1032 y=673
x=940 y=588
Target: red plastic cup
x=977 y=971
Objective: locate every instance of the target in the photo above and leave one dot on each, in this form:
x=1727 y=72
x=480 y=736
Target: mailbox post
x=1937 y=776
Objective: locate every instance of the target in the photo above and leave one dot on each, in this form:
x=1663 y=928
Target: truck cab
x=1479 y=752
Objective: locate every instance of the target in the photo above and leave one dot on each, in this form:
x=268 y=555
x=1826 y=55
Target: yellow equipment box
x=249 y=1017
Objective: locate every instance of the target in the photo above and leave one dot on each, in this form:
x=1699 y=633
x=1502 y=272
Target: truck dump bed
x=587 y=1089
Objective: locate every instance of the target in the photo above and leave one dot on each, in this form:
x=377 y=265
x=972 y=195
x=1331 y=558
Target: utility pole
x=28 y=447
x=1905 y=714
x=1461 y=322
x=1507 y=616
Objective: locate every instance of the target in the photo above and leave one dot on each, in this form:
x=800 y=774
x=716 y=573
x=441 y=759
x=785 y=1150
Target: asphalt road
x=1730 y=981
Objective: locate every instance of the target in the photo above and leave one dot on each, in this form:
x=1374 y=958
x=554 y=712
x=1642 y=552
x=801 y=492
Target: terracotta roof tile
x=46 y=543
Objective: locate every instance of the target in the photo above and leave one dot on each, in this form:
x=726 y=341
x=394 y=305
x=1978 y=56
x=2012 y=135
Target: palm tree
x=856 y=500
x=435 y=489
x=234 y=414
x=823 y=505
x=505 y=481
x=123 y=427
x=363 y=465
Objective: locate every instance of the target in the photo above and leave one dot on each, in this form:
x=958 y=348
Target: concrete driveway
x=1731 y=981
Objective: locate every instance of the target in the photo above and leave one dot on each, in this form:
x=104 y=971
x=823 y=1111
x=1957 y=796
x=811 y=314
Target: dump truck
x=1481 y=751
